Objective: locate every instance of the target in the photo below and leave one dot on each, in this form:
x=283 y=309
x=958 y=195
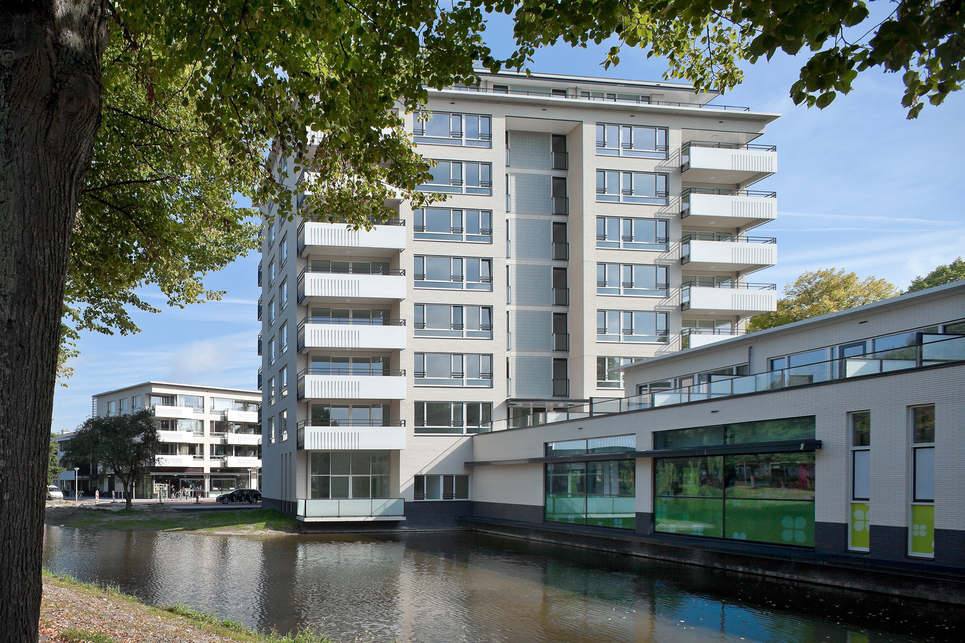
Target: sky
x=859 y=188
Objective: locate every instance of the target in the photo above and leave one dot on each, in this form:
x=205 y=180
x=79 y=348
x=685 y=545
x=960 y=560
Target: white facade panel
x=339 y=235
x=732 y=300
x=730 y=255
x=177 y=412
x=354 y=438
x=348 y=387
x=242 y=462
x=365 y=337
x=243 y=439
x=353 y=286
x=248 y=417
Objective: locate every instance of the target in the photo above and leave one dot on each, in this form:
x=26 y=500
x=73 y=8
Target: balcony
x=561 y=251
x=243 y=439
x=728 y=253
x=178 y=412
x=352 y=435
x=710 y=162
x=561 y=205
x=328 y=332
x=697 y=337
x=174 y=461
x=178 y=436
x=242 y=462
x=236 y=415
x=359 y=287
x=727 y=299
x=336 y=239
x=362 y=509
x=327 y=384
x=723 y=208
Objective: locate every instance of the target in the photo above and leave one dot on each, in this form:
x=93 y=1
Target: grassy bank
x=155 y=518
x=75 y=612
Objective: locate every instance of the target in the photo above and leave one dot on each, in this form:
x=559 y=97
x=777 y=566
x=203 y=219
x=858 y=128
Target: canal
x=472 y=588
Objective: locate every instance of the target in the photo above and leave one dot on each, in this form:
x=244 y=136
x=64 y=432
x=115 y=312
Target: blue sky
x=859 y=187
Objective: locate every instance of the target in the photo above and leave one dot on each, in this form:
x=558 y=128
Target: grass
x=244 y=520
x=229 y=629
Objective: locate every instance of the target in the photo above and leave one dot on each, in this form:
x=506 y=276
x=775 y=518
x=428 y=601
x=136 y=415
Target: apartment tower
x=587 y=223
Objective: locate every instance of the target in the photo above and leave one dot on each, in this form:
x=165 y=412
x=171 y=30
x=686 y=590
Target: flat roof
x=243 y=391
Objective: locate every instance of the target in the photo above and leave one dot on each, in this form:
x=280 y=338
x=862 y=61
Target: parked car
x=54 y=492
x=240 y=495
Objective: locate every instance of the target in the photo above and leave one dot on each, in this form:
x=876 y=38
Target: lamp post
x=76 y=469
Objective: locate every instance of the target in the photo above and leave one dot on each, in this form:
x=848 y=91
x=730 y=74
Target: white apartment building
x=588 y=223
x=210 y=437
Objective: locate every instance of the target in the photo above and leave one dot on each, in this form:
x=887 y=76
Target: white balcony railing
x=725 y=208
x=351 y=438
x=338 y=238
x=242 y=462
x=178 y=412
x=243 y=439
x=351 y=286
x=187 y=437
x=369 y=337
x=728 y=253
x=248 y=417
x=174 y=461
x=365 y=509
x=351 y=387
x=708 y=162
x=748 y=299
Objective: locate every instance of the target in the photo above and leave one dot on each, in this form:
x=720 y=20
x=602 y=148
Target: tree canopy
x=124 y=444
x=944 y=274
x=820 y=292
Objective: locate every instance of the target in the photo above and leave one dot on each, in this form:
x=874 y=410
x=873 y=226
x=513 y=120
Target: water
x=471 y=588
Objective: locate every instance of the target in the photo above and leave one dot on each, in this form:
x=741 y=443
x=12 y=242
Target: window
x=443 y=320
x=460 y=177
x=122 y=408
x=631 y=234
x=761 y=497
x=195 y=402
x=453 y=369
x=271 y=272
x=600 y=493
x=271 y=351
x=445 y=128
x=631 y=140
x=137 y=403
x=605 y=378
x=271 y=391
x=860 y=422
x=283 y=294
x=350 y=415
x=283 y=426
x=631 y=187
x=452 y=224
x=631 y=326
x=631 y=280
x=283 y=381
x=282 y=339
x=271 y=430
x=500 y=89
x=352 y=267
x=453 y=417
x=608 y=96
x=376 y=365
x=283 y=251
x=162 y=400
x=441 y=487
x=191 y=426
x=447 y=273
x=271 y=312
x=349 y=474
x=922 y=533
x=350 y=316
x=112 y=408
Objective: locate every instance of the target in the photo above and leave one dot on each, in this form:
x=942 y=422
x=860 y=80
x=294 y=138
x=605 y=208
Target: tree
x=124 y=444
x=705 y=41
x=53 y=463
x=821 y=292
x=126 y=127
x=955 y=271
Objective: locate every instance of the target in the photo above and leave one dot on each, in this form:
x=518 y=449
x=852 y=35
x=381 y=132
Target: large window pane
x=770 y=475
x=780 y=522
x=691 y=516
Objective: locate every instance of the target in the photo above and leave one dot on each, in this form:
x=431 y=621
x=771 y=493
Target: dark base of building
x=890 y=571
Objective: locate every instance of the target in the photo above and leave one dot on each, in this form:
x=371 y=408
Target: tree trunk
x=50 y=93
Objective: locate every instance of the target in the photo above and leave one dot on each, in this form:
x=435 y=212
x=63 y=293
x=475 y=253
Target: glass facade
x=762 y=497
x=601 y=493
x=349 y=474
